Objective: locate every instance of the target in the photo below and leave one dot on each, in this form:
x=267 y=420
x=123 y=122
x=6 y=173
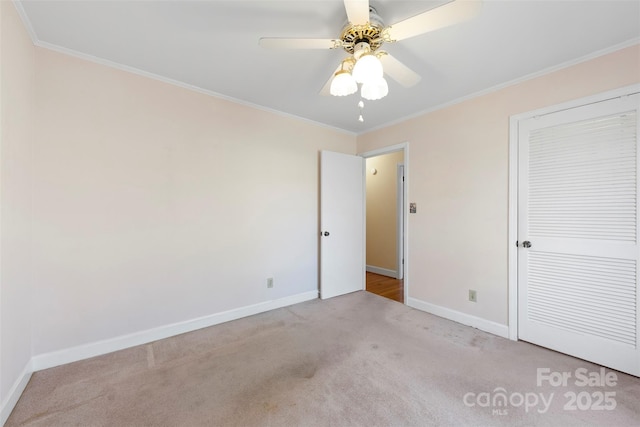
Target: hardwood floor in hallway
x=384 y=286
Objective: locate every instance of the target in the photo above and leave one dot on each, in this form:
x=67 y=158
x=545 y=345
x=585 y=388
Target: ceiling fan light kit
x=375 y=89
x=367 y=69
x=364 y=34
x=343 y=84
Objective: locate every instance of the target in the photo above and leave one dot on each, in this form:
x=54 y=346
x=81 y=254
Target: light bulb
x=343 y=84
x=368 y=68
x=376 y=89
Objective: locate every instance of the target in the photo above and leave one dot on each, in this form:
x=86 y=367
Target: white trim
x=85 y=351
x=543 y=72
x=404 y=147
x=26 y=21
x=457 y=316
x=15 y=392
x=513 y=186
x=591 y=99
x=36 y=41
x=512 y=231
x=133 y=70
x=363 y=164
x=400 y=221
x=405 y=271
x=385 y=150
x=382 y=271
x=66 y=51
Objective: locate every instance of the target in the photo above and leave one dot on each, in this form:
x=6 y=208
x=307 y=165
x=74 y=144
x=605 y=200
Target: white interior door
x=578 y=232
x=342 y=268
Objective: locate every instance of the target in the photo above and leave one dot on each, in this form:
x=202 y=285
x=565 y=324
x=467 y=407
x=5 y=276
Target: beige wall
x=458 y=158
x=16 y=145
x=382 y=210
x=158 y=205
x=129 y=205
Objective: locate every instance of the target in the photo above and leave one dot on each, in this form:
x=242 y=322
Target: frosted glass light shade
x=376 y=89
x=343 y=84
x=368 y=68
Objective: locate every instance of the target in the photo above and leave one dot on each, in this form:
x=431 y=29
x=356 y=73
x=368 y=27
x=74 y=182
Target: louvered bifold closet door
x=578 y=208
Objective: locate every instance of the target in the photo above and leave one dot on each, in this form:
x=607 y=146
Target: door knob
x=526 y=244
x=326 y=233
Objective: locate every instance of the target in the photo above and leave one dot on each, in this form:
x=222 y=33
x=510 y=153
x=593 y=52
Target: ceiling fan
x=363 y=36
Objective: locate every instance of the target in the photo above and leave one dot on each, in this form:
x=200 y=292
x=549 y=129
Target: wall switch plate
x=413 y=208
x=473 y=297
x=270 y=282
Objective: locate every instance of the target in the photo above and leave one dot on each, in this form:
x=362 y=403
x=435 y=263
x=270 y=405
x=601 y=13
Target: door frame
x=404 y=147
x=513 y=186
x=400 y=221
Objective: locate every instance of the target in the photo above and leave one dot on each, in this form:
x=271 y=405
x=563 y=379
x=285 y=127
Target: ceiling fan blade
x=451 y=13
x=357 y=11
x=282 y=43
x=399 y=72
x=326 y=89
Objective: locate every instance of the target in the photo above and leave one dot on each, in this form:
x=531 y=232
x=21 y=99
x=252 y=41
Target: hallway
x=385 y=286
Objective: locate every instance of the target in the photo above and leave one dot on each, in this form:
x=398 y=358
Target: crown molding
x=25 y=20
x=545 y=71
x=112 y=64
x=193 y=88
x=37 y=42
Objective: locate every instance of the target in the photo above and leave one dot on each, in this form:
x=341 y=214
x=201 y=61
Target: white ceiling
x=213 y=45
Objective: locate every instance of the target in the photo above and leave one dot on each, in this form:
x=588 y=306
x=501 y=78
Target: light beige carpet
x=355 y=360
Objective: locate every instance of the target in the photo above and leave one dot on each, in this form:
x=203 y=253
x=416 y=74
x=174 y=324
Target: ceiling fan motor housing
x=370 y=33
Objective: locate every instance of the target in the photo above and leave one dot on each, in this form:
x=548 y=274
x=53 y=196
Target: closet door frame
x=513 y=187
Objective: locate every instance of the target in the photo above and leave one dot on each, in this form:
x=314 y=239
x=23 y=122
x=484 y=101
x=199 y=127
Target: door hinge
x=516 y=243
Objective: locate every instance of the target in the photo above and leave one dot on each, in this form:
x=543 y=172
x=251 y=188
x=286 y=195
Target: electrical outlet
x=270 y=282
x=473 y=297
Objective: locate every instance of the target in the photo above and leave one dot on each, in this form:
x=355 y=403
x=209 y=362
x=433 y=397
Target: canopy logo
x=499 y=400
x=594 y=397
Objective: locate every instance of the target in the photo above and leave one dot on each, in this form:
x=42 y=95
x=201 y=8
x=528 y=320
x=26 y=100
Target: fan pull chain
x=361 y=106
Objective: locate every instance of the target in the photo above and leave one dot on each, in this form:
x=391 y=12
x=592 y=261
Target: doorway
x=385 y=286
x=385 y=194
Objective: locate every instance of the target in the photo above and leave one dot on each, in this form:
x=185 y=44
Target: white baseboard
x=14 y=393
x=382 y=271
x=457 y=316
x=85 y=351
